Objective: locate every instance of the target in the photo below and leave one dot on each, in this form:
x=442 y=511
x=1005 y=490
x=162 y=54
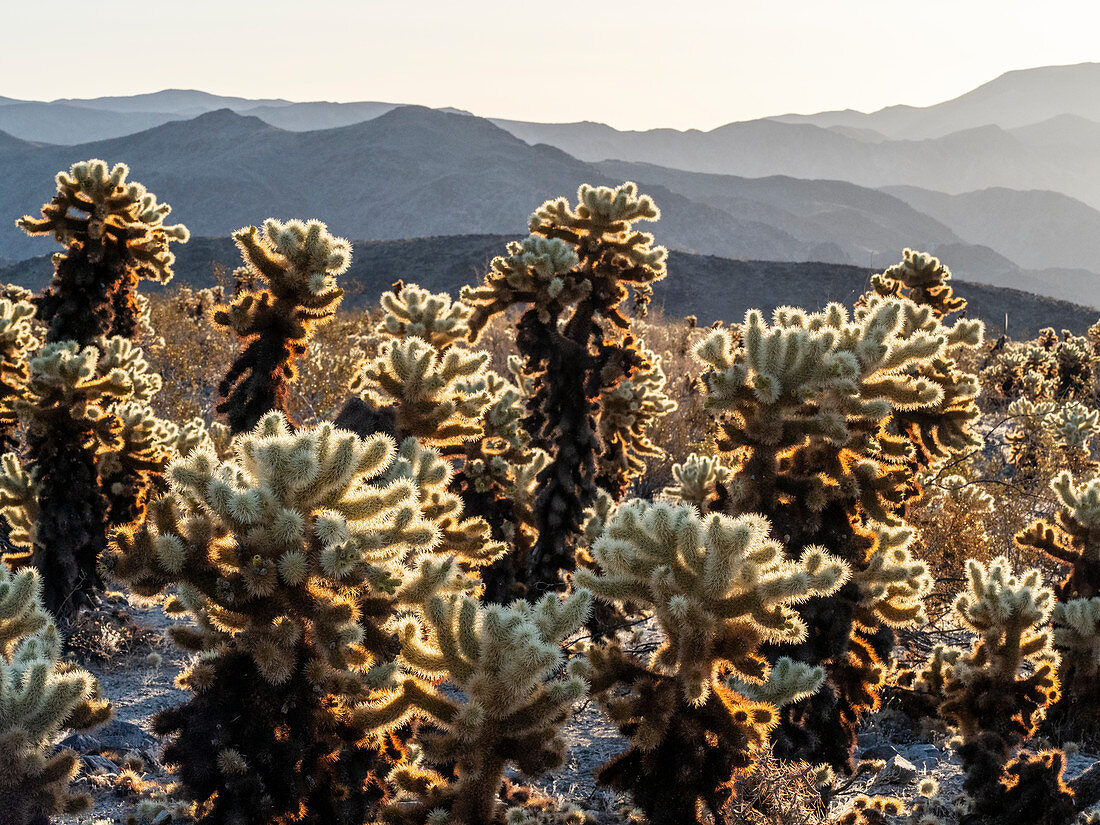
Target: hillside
x=709 y=287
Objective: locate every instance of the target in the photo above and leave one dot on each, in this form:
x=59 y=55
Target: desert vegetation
x=397 y=561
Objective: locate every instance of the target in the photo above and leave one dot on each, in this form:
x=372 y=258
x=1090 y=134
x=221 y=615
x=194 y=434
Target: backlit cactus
x=17 y=341
x=436 y=397
x=997 y=692
x=39 y=696
x=298 y=263
x=571 y=275
x=69 y=414
x=516 y=693
x=114 y=234
x=699 y=710
x=1073 y=539
x=805 y=406
x=292 y=559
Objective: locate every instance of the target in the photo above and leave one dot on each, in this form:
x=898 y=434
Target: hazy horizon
x=695 y=65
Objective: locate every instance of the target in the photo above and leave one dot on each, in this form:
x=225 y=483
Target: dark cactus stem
x=71 y=531
x=286 y=735
x=562 y=421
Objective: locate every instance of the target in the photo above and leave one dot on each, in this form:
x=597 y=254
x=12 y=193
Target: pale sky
x=636 y=65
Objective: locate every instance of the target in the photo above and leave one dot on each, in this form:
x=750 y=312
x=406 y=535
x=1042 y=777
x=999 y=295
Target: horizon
x=499 y=62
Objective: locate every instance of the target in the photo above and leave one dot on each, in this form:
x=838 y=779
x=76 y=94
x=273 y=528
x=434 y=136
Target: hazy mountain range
x=1002 y=182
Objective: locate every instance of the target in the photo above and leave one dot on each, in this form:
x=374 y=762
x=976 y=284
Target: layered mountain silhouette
x=1002 y=182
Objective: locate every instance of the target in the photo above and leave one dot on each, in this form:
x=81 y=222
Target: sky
x=634 y=65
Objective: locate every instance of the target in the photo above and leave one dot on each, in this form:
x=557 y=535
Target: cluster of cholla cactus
x=39 y=696
x=571 y=276
x=1043 y=432
x=805 y=408
x=699 y=709
x=115 y=235
x=1047 y=368
x=298 y=263
x=93 y=448
x=424 y=383
x=294 y=560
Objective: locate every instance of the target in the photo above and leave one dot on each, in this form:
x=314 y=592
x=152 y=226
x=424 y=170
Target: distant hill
x=1016 y=98
x=1035 y=229
x=709 y=287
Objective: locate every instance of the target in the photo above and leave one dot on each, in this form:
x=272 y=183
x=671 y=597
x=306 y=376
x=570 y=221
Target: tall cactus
x=114 y=234
x=701 y=707
x=39 y=696
x=298 y=262
x=572 y=275
x=804 y=405
x=293 y=559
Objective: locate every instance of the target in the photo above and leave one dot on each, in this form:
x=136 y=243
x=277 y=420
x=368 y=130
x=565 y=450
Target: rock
x=122 y=736
x=898 y=771
x=94 y=764
x=925 y=757
x=879 y=752
x=81 y=743
x=868 y=739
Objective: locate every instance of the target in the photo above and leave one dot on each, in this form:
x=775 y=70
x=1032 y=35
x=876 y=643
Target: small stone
x=898 y=771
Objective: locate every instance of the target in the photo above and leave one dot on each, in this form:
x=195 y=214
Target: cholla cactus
x=719 y=589
x=572 y=275
x=997 y=693
x=114 y=234
x=413 y=312
x=1073 y=539
x=17 y=341
x=39 y=696
x=628 y=412
x=292 y=560
x=431 y=477
x=807 y=404
x=921 y=278
x=701 y=481
x=1042 y=429
x=437 y=398
x=508 y=663
x=299 y=263
x=68 y=409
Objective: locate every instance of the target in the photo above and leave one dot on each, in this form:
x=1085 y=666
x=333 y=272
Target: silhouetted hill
x=709 y=287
